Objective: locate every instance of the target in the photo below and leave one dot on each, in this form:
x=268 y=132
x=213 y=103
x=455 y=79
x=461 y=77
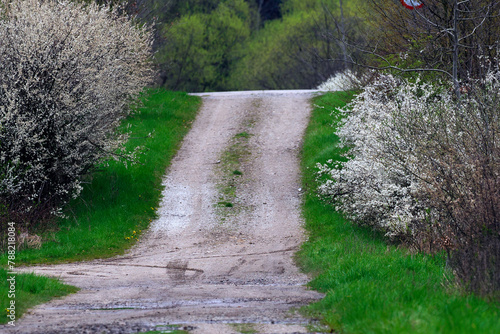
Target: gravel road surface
x=219 y=259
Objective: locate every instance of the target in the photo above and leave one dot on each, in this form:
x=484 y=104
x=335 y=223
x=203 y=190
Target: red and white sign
x=412 y=4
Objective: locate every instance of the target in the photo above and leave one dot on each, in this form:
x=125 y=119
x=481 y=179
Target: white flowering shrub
x=68 y=73
x=369 y=187
x=346 y=80
x=425 y=166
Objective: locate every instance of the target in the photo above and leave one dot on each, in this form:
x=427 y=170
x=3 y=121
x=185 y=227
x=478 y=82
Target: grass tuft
x=372 y=286
x=225 y=204
x=243 y=135
x=30 y=290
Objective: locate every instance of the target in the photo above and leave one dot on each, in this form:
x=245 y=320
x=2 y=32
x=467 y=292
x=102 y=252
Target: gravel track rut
x=210 y=268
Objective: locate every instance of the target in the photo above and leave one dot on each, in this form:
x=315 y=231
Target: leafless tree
x=456 y=38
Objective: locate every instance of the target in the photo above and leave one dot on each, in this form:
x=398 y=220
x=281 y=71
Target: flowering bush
x=370 y=188
x=425 y=167
x=68 y=73
x=346 y=80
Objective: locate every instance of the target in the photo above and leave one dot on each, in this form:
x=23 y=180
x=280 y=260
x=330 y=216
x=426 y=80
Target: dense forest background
x=214 y=45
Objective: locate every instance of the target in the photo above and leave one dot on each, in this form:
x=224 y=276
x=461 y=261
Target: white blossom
x=68 y=74
x=345 y=80
x=410 y=144
x=371 y=187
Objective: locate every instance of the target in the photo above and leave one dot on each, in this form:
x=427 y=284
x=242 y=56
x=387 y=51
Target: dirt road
x=219 y=257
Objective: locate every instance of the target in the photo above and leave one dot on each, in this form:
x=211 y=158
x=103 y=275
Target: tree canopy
x=207 y=45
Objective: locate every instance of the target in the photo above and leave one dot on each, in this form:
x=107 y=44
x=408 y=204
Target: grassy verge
x=371 y=286
x=29 y=290
x=119 y=202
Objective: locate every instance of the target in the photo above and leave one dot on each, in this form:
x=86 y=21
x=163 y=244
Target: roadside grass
x=119 y=202
x=372 y=286
x=30 y=290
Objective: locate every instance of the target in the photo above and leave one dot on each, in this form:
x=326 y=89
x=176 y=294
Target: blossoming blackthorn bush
x=369 y=188
x=424 y=166
x=68 y=74
x=347 y=80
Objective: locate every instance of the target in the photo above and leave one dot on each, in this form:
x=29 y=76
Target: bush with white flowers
x=369 y=187
x=424 y=165
x=346 y=80
x=68 y=74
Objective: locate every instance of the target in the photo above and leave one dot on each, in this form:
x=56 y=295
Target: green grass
x=245 y=328
x=119 y=202
x=243 y=135
x=370 y=285
x=229 y=175
x=30 y=290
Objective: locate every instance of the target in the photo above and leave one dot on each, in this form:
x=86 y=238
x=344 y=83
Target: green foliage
x=296 y=6
x=299 y=51
x=274 y=58
x=186 y=7
x=232 y=45
x=431 y=38
x=199 y=51
x=118 y=200
x=370 y=286
x=350 y=6
x=410 y=59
